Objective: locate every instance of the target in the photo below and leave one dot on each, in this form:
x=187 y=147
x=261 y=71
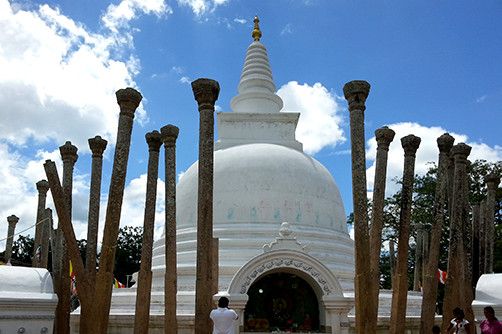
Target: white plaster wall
x=27 y=300
x=265 y=183
x=257 y=187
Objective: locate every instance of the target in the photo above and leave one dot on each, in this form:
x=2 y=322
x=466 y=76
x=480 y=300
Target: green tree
x=128 y=255
x=423 y=202
x=22 y=251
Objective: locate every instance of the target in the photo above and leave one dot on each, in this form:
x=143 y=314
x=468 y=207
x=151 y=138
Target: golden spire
x=256 y=31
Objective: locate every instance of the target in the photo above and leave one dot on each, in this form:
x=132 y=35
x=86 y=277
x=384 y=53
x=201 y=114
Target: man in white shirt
x=223 y=318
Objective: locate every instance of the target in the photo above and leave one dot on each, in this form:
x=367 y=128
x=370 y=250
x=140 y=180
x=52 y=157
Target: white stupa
x=284 y=248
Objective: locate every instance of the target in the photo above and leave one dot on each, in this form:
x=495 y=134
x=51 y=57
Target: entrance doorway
x=281 y=301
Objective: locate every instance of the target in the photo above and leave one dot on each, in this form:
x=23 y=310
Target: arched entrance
x=281 y=301
x=333 y=306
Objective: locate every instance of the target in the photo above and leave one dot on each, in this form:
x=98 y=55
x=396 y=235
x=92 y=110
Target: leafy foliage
x=22 y=250
x=422 y=214
x=128 y=254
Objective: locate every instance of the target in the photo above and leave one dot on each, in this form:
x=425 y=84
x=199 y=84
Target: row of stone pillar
x=368 y=240
x=452 y=188
x=168 y=135
x=206 y=93
x=483 y=229
x=91 y=288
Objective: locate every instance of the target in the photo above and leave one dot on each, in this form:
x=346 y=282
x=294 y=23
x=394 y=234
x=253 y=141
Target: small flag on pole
x=117 y=284
x=73 y=280
x=441 y=275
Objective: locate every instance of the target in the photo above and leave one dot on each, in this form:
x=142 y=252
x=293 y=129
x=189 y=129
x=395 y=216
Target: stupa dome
x=265 y=183
x=262 y=178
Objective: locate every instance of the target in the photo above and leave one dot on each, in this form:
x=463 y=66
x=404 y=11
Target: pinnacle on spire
x=256 y=31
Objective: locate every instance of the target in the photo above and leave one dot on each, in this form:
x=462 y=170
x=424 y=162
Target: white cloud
x=118 y=16
x=288 y=29
x=185 y=80
x=241 y=21
x=178 y=69
x=320 y=118
x=133 y=209
x=481 y=99
x=58 y=83
x=201 y=7
x=20 y=196
x=427 y=152
x=58 y=80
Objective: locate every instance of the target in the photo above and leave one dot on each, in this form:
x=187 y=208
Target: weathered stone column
x=492 y=181
x=455 y=294
x=467 y=233
x=128 y=100
x=384 y=136
x=445 y=143
x=419 y=252
x=425 y=250
x=410 y=145
x=62 y=322
x=392 y=260
x=482 y=237
x=85 y=289
x=42 y=187
x=169 y=136
x=97 y=146
x=355 y=93
x=12 y=221
x=216 y=267
x=142 y=314
x=206 y=93
x=46 y=236
x=475 y=244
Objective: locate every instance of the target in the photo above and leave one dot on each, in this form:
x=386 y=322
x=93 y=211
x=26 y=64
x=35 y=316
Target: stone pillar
x=384 y=136
x=62 y=323
x=12 y=220
x=216 y=267
x=42 y=187
x=417 y=274
x=392 y=260
x=46 y=236
x=142 y=314
x=467 y=232
x=97 y=146
x=451 y=174
x=455 y=292
x=410 y=145
x=492 y=181
x=128 y=100
x=85 y=289
x=206 y=93
x=475 y=244
x=169 y=136
x=482 y=237
x=425 y=250
x=355 y=93
x=429 y=296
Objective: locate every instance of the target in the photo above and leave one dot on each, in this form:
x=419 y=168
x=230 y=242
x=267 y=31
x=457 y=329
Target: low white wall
x=27 y=300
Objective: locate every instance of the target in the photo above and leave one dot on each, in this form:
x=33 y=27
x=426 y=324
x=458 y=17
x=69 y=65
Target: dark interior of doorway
x=281 y=301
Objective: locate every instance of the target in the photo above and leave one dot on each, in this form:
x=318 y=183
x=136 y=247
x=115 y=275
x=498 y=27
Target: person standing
x=223 y=318
x=458 y=324
x=491 y=325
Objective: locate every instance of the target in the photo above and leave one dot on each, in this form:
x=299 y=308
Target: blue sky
x=434 y=66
